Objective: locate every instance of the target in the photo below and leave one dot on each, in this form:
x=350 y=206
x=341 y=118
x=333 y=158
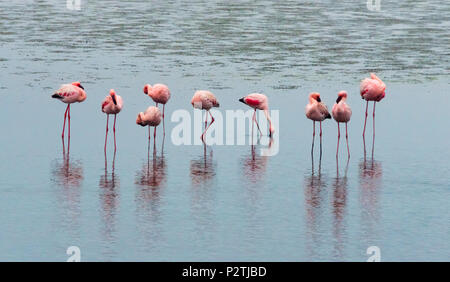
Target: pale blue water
x=228 y=204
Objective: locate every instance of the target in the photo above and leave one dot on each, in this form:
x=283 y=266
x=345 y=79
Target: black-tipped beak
x=338 y=99
x=242 y=100
x=318 y=99
x=114 y=99
x=81 y=87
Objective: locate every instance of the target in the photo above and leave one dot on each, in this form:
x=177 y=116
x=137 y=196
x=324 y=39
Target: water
x=224 y=202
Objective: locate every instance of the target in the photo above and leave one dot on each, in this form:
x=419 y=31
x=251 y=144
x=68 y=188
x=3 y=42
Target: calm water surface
x=224 y=202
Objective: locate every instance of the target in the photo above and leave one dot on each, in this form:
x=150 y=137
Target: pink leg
x=149 y=133
x=64 y=124
x=256 y=121
x=320 y=139
x=114 y=130
x=106 y=134
x=339 y=137
x=206 y=120
x=164 y=125
x=374 y=103
x=154 y=132
x=346 y=137
x=68 y=115
x=314 y=134
x=365 y=121
x=212 y=121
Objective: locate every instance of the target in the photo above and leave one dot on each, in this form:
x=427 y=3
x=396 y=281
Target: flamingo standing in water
x=151 y=117
x=205 y=100
x=316 y=110
x=259 y=102
x=69 y=93
x=372 y=89
x=342 y=113
x=111 y=105
x=160 y=94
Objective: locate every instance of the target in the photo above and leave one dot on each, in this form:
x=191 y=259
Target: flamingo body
x=259 y=101
x=316 y=110
x=204 y=100
x=373 y=88
x=341 y=111
x=158 y=92
x=70 y=93
x=151 y=117
x=112 y=104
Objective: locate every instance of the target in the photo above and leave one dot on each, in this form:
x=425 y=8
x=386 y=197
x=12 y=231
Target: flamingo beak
x=114 y=99
x=318 y=99
x=242 y=100
x=338 y=99
x=81 y=87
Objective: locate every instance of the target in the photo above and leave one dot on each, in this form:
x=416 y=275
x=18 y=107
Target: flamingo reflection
x=109 y=196
x=339 y=203
x=203 y=168
x=314 y=189
x=370 y=181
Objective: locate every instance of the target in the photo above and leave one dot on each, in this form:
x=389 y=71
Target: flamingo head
x=315 y=96
x=139 y=119
x=78 y=84
x=113 y=96
x=147 y=88
x=342 y=95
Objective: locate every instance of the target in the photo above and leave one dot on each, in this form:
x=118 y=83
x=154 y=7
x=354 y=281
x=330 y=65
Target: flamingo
x=204 y=100
x=316 y=110
x=69 y=93
x=259 y=102
x=111 y=105
x=342 y=113
x=160 y=94
x=151 y=117
x=372 y=89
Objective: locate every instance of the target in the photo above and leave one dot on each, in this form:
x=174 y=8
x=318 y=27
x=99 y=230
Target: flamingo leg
x=256 y=121
x=154 y=132
x=206 y=120
x=149 y=133
x=365 y=121
x=320 y=140
x=314 y=134
x=339 y=137
x=346 y=137
x=164 y=125
x=106 y=134
x=114 y=130
x=68 y=115
x=212 y=121
x=373 y=138
x=64 y=124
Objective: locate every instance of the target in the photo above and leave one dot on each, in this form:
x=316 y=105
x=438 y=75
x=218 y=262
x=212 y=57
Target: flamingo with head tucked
x=372 y=89
x=316 y=110
x=342 y=113
x=160 y=94
x=111 y=105
x=69 y=93
x=151 y=117
x=205 y=100
x=259 y=102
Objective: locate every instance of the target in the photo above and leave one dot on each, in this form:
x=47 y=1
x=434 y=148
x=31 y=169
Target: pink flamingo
x=151 y=117
x=205 y=100
x=160 y=94
x=259 y=102
x=372 y=89
x=111 y=105
x=342 y=113
x=69 y=93
x=316 y=111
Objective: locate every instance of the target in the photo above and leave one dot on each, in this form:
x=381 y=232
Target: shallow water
x=224 y=202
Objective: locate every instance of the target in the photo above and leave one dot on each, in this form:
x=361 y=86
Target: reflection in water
x=370 y=179
x=203 y=169
x=314 y=188
x=150 y=181
x=68 y=177
x=339 y=205
x=109 y=196
x=254 y=166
